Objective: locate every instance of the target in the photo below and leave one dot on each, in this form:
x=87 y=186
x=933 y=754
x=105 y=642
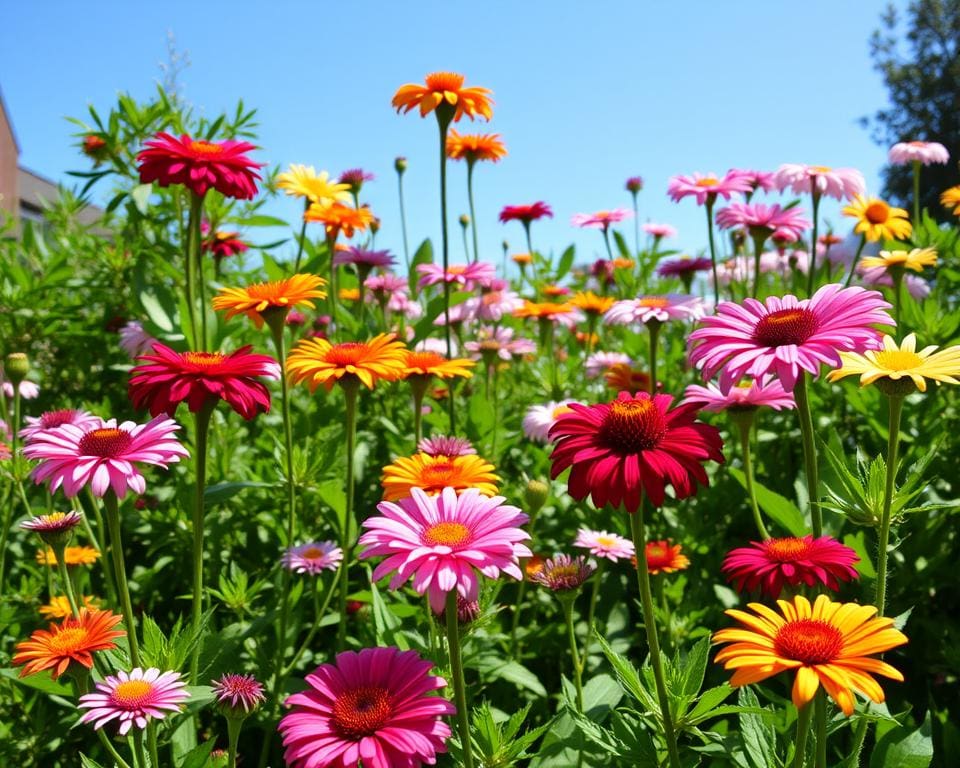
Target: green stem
x=496 y=415
x=403 y=223
x=653 y=328
x=636 y=225
x=303 y=236
x=820 y=728
x=811 y=271
x=803 y=729
x=534 y=280
x=332 y=295
x=417 y=416
x=592 y=610
x=152 y=744
x=193 y=253
x=319 y=611
x=567 y=602
x=896 y=274
x=66 y=584
x=234 y=724
x=139 y=753
x=916 y=194
x=708 y=206
x=606 y=241
x=351 y=387
x=15 y=427
x=200 y=458
x=743 y=422
x=456 y=670
x=853 y=761
x=758 y=240
x=473 y=214
x=112 y=507
x=856 y=260
x=893 y=444
x=809 y=452
x=466 y=248
x=650 y=624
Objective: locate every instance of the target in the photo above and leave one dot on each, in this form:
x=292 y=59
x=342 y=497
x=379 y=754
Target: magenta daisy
x=313 y=557
x=600 y=219
x=659 y=231
x=538 y=419
x=374 y=706
x=604 y=544
x=104 y=455
x=465 y=275
x=134 y=698
x=764 y=180
x=659 y=308
x=240 y=694
x=441 y=445
x=706 y=187
x=440 y=540
x=683 y=267
x=763 y=220
x=785 y=336
x=134 y=340
x=600 y=362
x=839 y=183
x=769 y=565
x=53 y=419
x=924 y=152
x=55 y=522
x=363 y=259
x=744 y=396
x=384 y=285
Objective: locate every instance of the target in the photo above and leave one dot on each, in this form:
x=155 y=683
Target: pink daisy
x=839 y=183
x=758 y=179
x=440 y=540
x=525 y=213
x=53 y=419
x=103 y=455
x=768 y=565
x=363 y=259
x=134 y=340
x=659 y=308
x=742 y=397
x=925 y=152
x=706 y=187
x=916 y=286
x=659 y=231
x=402 y=303
x=465 y=275
x=373 y=706
x=239 y=693
x=600 y=362
x=562 y=573
x=787 y=335
x=763 y=219
x=441 y=445
x=28 y=390
x=313 y=557
x=500 y=342
x=604 y=544
x=539 y=418
x=492 y=306
x=683 y=266
x=134 y=698
x=386 y=284
x=600 y=219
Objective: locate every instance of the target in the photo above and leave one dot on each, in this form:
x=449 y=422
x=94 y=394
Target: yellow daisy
x=280 y=295
x=434 y=473
x=59 y=606
x=877 y=220
x=304 y=181
x=317 y=361
x=71 y=556
x=950 y=200
x=893 y=362
x=916 y=259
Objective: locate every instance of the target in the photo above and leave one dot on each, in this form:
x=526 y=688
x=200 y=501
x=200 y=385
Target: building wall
x=9 y=196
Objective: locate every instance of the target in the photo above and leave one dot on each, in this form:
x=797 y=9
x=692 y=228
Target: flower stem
x=606 y=241
x=403 y=222
x=66 y=584
x=916 y=194
x=191 y=275
x=853 y=761
x=809 y=453
x=200 y=457
x=444 y=116
x=152 y=744
x=567 y=603
x=708 y=206
x=653 y=328
x=195 y=259
x=812 y=269
x=234 y=724
x=473 y=215
x=636 y=225
x=303 y=236
x=350 y=390
x=758 y=241
x=592 y=610
x=650 y=624
x=803 y=729
x=896 y=274
x=319 y=611
x=112 y=507
x=534 y=280
x=743 y=421
x=856 y=260
x=456 y=671
x=820 y=727
x=332 y=294
x=893 y=444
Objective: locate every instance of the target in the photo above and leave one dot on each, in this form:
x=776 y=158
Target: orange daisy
x=74 y=640
x=621 y=377
x=475 y=146
x=260 y=299
x=622 y=263
x=349 y=294
x=339 y=217
x=434 y=473
x=59 y=606
x=663 y=558
x=71 y=555
x=423 y=365
x=444 y=87
x=544 y=309
x=522 y=258
x=555 y=290
x=827 y=643
x=317 y=361
x=591 y=303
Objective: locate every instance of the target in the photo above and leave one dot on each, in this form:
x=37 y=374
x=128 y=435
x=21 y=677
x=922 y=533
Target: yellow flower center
x=560 y=410
x=205 y=147
x=810 y=641
x=709 y=181
x=786 y=550
x=820 y=169
x=877 y=212
x=106 y=443
x=898 y=360
x=132 y=694
x=449 y=534
x=605 y=541
x=67 y=640
x=653 y=302
x=203 y=359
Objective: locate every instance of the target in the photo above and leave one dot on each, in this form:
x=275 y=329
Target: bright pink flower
x=355 y=177
x=134 y=698
x=224 y=244
x=684 y=265
x=441 y=445
x=200 y=165
x=768 y=565
x=601 y=362
x=600 y=219
x=52 y=525
x=659 y=231
x=361 y=257
x=604 y=544
x=926 y=152
x=240 y=693
x=373 y=706
x=313 y=557
x=839 y=183
x=526 y=213
x=385 y=284
x=758 y=179
x=659 y=308
x=499 y=341
x=759 y=392
x=134 y=340
x=708 y=186
x=763 y=219
x=103 y=455
x=53 y=419
x=440 y=540
x=465 y=275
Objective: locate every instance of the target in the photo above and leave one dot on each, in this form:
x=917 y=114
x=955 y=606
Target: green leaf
x=707 y=703
x=41 y=681
x=898 y=748
x=566 y=262
x=261 y=221
x=622 y=246
x=694 y=668
x=759 y=736
x=88 y=762
x=386 y=623
x=423 y=255
x=159 y=315
x=627 y=675
x=140 y=195
x=221 y=492
x=519 y=674
x=335 y=497
x=778 y=508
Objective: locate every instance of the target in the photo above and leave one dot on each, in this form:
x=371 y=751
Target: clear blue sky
x=586 y=94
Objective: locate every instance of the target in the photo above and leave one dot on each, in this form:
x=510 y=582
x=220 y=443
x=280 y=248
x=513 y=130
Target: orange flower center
x=810 y=641
x=313 y=553
x=709 y=181
x=132 y=694
x=534 y=565
x=819 y=169
x=202 y=147
x=106 y=443
x=68 y=640
x=785 y=326
x=655 y=302
x=444 y=81
x=456 y=269
x=203 y=359
x=424 y=362
x=449 y=534
x=361 y=711
x=348 y=353
x=917 y=143
x=877 y=213
x=786 y=550
x=490 y=346
x=437 y=475
x=632 y=426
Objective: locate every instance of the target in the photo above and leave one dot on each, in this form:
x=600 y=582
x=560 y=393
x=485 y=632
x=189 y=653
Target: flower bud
x=17 y=366
x=535 y=495
x=400 y=164
x=464 y=220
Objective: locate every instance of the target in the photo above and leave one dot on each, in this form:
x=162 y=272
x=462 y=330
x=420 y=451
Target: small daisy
x=604 y=544
x=313 y=557
x=134 y=698
x=539 y=419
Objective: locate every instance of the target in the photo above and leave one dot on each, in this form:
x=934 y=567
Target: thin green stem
x=820 y=728
x=473 y=213
x=812 y=270
x=66 y=583
x=534 y=280
x=653 y=328
x=466 y=248
x=859 y=736
x=111 y=750
x=895 y=403
x=856 y=260
x=234 y=724
x=350 y=390
x=138 y=750
x=15 y=427
x=193 y=250
x=896 y=274
x=606 y=241
x=567 y=603
x=636 y=225
x=809 y=452
x=916 y=194
x=112 y=507
x=417 y=416
x=759 y=238
x=319 y=611
x=403 y=222
x=708 y=206
x=803 y=730
x=152 y=744
x=456 y=670
x=332 y=294
x=200 y=458
x=743 y=423
x=303 y=236
x=597 y=578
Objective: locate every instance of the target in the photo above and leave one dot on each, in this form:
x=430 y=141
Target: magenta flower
x=103 y=455
x=659 y=231
x=600 y=219
x=925 y=152
x=601 y=362
x=764 y=180
x=134 y=340
x=839 y=183
x=562 y=573
x=364 y=259
x=355 y=177
x=441 y=445
x=134 y=698
x=384 y=285
x=659 y=308
x=785 y=336
x=440 y=540
x=706 y=187
x=465 y=275
x=54 y=524
x=916 y=286
x=526 y=213
x=313 y=557
x=373 y=706
x=762 y=219
x=604 y=544
x=53 y=419
x=240 y=693
x=683 y=266
x=742 y=397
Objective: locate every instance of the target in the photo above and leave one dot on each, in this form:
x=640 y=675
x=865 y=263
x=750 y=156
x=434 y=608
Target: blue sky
x=586 y=94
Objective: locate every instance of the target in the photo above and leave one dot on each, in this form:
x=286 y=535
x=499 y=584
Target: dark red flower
x=633 y=446
x=525 y=213
x=200 y=165
x=223 y=244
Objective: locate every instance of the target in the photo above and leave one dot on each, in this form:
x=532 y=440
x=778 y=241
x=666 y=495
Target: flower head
x=262 y=299
x=304 y=182
x=134 y=340
x=876 y=220
x=474 y=147
x=562 y=573
x=950 y=199
x=604 y=544
x=373 y=706
x=538 y=419
x=95 y=147
x=59 y=606
x=664 y=557
x=238 y=694
x=600 y=362
x=916 y=259
x=600 y=219
x=839 y=183
x=441 y=445
x=706 y=187
x=623 y=377
x=444 y=88
x=654 y=308
x=339 y=218
x=71 y=642
x=466 y=276
x=364 y=259
x=355 y=178
x=764 y=180
x=422 y=366
x=590 y=303
x=826 y=643
x=317 y=361
x=56 y=528
x=894 y=363
x=526 y=213
x=313 y=557
x=634 y=184
x=745 y=396
x=684 y=266
x=134 y=698
x=434 y=473
x=659 y=231
x=200 y=165
x=222 y=244
x=925 y=152
x=72 y=556
x=759 y=219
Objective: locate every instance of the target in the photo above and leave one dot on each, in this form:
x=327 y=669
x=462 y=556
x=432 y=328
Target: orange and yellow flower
x=622 y=377
x=259 y=299
x=339 y=218
x=303 y=181
x=623 y=263
x=434 y=473
x=317 y=361
x=544 y=309
x=916 y=259
x=72 y=556
x=349 y=294
x=664 y=557
x=522 y=258
x=428 y=364
x=74 y=640
x=591 y=303
x=59 y=606
x=475 y=146
x=444 y=87
x=950 y=199
x=877 y=220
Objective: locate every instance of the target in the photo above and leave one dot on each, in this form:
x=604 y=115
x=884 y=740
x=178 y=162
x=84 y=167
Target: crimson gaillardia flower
x=104 y=455
x=440 y=540
x=475 y=146
x=433 y=474
x=374 y=706
x=786 y=336
x=826 y=643
x=525 y=213
x=200 y=165
x=635 y=445
x=134 y=698
x=706 y=187
x=238 y=695
x=767 y=566
x=262 y=300
x=167 y=378
x=444 y=88
x=317 y=361
x=73 y=641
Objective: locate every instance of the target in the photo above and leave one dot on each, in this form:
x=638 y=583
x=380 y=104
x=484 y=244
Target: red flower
x=169 y=378
x=94 y=147
x=633 y=446
x=223 y=244
x=199 y=165
x=525 y=213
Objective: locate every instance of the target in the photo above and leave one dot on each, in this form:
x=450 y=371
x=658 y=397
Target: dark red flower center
x=810 y=641
x=632 y=426
x=361 y=711
x=202 y=147
x=109 y=443
x=52 y=419
x=204 y=359
x=786 y=550
x=785 y=326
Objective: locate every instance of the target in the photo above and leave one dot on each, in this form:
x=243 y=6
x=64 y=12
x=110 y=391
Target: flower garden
x=329 y=501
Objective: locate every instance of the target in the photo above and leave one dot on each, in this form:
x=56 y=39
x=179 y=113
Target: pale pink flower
x=539 y=418
x=500 y=341
x=467 y=276
x=441 y=445
x=600 y=362
x=409 y=308
x=765 y=391
x=758 y=179
x=134 y=340
x=436 y=345
x=313 y=557
x=134 y=698
x=492 y=306
x=659 y=231
x=708 y=186
x=53 y=419
x=925 y=152
x=385 y=284
x=28 y=390
x=660 y=308
x=839 y=183
x=600 y=219
x=604 y=544
x=763 y=218
x=916 y=286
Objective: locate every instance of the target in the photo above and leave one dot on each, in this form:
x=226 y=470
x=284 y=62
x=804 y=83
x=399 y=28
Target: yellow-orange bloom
x=901 y=362
x=71 y=556
x=664 y=557
x=338 y=218
x=349 y=294
x=827 y=643
x=59 y=606
x=444 y=87
x=950 y=199
x=591 y=303
x=916 y=259
x=522 y=258
x=475 y=146
x=260 y=298
x=621 y=377
x=877 y=220
x=304 y=181
x=623 y=263
x=74 y=640
x=427 y=364
x=317 y=361
x=434 y=473
x=544 y=309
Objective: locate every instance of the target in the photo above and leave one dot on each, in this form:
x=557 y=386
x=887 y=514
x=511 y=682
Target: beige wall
x=9 y=198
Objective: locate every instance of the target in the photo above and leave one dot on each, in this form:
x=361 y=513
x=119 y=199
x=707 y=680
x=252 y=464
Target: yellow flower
x=545 y=309
x=434 y=473
x=71 y=556
x=950 y=200
x=317 y=361
x=877 y=220
x=427 y=364
x=916 y=259
x=893 y=362
x=349 y=294
x=591 y=303
x=254 y=300
x=304 y=181
x=337 y=218
x=59 y=606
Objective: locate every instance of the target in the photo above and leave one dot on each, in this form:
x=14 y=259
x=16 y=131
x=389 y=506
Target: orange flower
x=72 y=641
x=475 y=146
x=434 y=473
x=546 y=309
x=622 y=263
x=556 y=290
x=444 y=87
x=59 y=606
x=349 y=294
x=71 y=556
x=522 y=258
x=621 y=377
x=533 y=565
x=664 y=558
x=317 y=361
x=427 y=364
x=259 y=299
x=591 y=303
x=338 y=217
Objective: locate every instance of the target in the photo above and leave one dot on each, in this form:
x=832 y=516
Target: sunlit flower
x=313 y=557
x=764 y=180
x=590 y=303
x=134 y=698
x=434 y=473
x=200 y=165
x=659 y=308
x=604 y=544
x=522 y=259
x=223 y=244
x=747 y=395
x=304 y=182
x=317 y=361
x=663 y=557
x=134 y=340
x=683 y=266
x=525 y=213
x=425 y=365
x=72 y=556
x=546 y=310
x=950 y=199
x=95 y=147
x=839 y=183
x=53 y=419
x=73 y=641
x=349 y=294
x=876 y=220
x=894 y=363
x=364 y=259
x=600 y=362
x=238 y=693
x=498 y=342
x=444 y=87
x=54 y=529
x=339 y=218
x=492 y=306
x=27 y=389
x=600 y=219
x=658 y=231
x=476 y=146
x=355 y=178
x=706 y=187
x=562 y=573
x=925 y=152
x=260 y=299
x=467 y=276
x=59 y=606
x=441 y=445
x=760 y=219
x=916 y=259
x=623 y=377
x=538 y=419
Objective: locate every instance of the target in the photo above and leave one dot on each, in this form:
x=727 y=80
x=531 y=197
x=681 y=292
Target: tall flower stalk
x=400 y=165
x=112 y=508
x=351 y=387
x=202 y=424
x=743 y=420
x=456 y=671
x=810 y=466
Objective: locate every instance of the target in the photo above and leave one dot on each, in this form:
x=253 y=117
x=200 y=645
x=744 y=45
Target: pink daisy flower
x=839 y=183
x=525 y=213
x=768 y=565
x=763 y=219
x=600 y=362
x=500 y=342
x=758 y=179
x=706 y=187
x=786 y=336
x=492 y=306
x=134 y=698
x=28 y=390
x=441 y=445
x=562 y=573
x=103 y=455
x=134 y=340
x=466 y=276
x=364 y=259
x=683 y=266
x=373 y=706
x=659 y=308
x=659 y=231
x=436 y=345
x=53 y=419
x=539 y=418
x=402 y=303
x=440 y=540
x=604 y=544
x=600 y=219
x=916 y=286
x=925 y=152
x=313 y=557
x=742 y=397
x=385 y=284
x=238 y=693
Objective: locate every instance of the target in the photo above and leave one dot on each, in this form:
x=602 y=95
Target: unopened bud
x=400 y=164
x=464 y=220
x=16 y=366
x=535 y=495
